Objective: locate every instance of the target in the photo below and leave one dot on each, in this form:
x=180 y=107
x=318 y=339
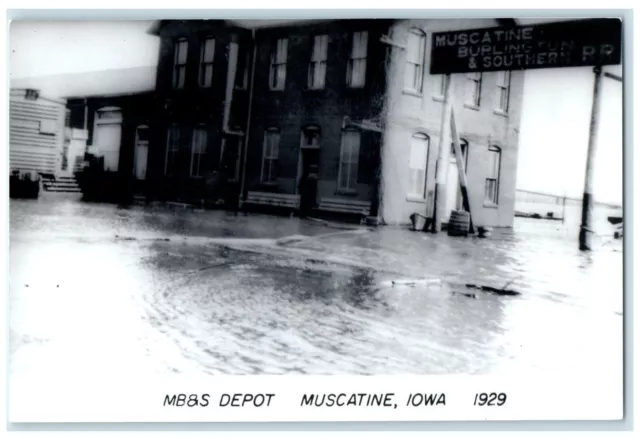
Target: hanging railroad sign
x=575 y=43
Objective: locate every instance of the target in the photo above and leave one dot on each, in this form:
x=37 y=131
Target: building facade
x=327 y=116
x=200 y=119
x=309 y=82
x=487 y=109
x=118 y=129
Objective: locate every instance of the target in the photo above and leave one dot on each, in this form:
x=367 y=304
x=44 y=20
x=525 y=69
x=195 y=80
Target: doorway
x=107 y=136
x=308 y=168
x=141 y=153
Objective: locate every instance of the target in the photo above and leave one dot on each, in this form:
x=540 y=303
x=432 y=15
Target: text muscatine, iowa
x=365 y=399
x=308 y=400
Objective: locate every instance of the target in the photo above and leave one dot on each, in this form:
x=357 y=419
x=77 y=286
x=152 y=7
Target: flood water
x=98 y=288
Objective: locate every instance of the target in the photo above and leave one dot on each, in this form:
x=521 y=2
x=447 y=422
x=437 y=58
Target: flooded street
x=143 y=290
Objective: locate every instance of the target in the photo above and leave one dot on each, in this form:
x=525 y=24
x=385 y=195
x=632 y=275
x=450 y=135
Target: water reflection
x=324 y=306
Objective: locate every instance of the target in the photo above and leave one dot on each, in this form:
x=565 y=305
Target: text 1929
x=490 y=399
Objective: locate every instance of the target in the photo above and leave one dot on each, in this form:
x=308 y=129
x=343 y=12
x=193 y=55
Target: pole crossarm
x=613 y=76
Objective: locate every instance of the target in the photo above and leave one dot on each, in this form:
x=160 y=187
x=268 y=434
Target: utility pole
x=440 y=200
x=586 y=233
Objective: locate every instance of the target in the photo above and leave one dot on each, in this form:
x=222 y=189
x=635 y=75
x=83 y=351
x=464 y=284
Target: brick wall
x=296 y=106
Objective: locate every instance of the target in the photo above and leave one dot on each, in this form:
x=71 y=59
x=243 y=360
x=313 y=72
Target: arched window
x=492 y=182
x=198 y=150
x=173 y=149
x=464 y=147
x=414 y=71
x=270 y=147
x=418 y=161
x=349 y=158
x=141 y=152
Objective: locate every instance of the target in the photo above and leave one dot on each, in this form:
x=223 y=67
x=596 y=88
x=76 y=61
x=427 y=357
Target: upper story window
x=492 y=182
x=207 y=52
x=414 y=70
x=504 y=90
x=357 y=64
x=278 y=71
x=418 y=162
x=180 y=49
x=439 y=86
x=242 y=70
x=349 y=158
x=270 y=149
x=474 y=88
x=318 y=64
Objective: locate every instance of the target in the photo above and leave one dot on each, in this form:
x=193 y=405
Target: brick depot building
x=351 y=101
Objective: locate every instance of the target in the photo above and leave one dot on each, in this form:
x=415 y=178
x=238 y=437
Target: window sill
x=472 y=107
x=411 y=92
x=416 y=199
x=490 y=205
x=355 y=87
x=314 y=89
x=501 y=113
x=269 y=184
x=438 y=98
x=347 y=192
x=276 y=90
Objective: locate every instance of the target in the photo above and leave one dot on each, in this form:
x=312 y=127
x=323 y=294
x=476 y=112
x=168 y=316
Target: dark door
x=308 y=186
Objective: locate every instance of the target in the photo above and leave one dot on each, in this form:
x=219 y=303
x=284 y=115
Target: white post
x=440 y=201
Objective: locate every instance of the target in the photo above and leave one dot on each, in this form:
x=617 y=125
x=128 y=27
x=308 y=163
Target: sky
x=555 y=118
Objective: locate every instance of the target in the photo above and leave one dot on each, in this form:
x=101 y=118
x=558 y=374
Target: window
x=440 y=86
x=418 y=165
x=310 y=137
x=242 y=72
x=270 y=155
x=474 y=84
x=198 y=151
x=357 y=64
x=349 y=154
x=230 y=157
x=492 y=183
x=318 y=64
x=504 y=87
x=414 y=69
x=207 y=51
x=278 y=73
x=173 y=149
x=179 y=62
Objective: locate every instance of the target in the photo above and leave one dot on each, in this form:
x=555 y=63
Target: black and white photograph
x=316 y=197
